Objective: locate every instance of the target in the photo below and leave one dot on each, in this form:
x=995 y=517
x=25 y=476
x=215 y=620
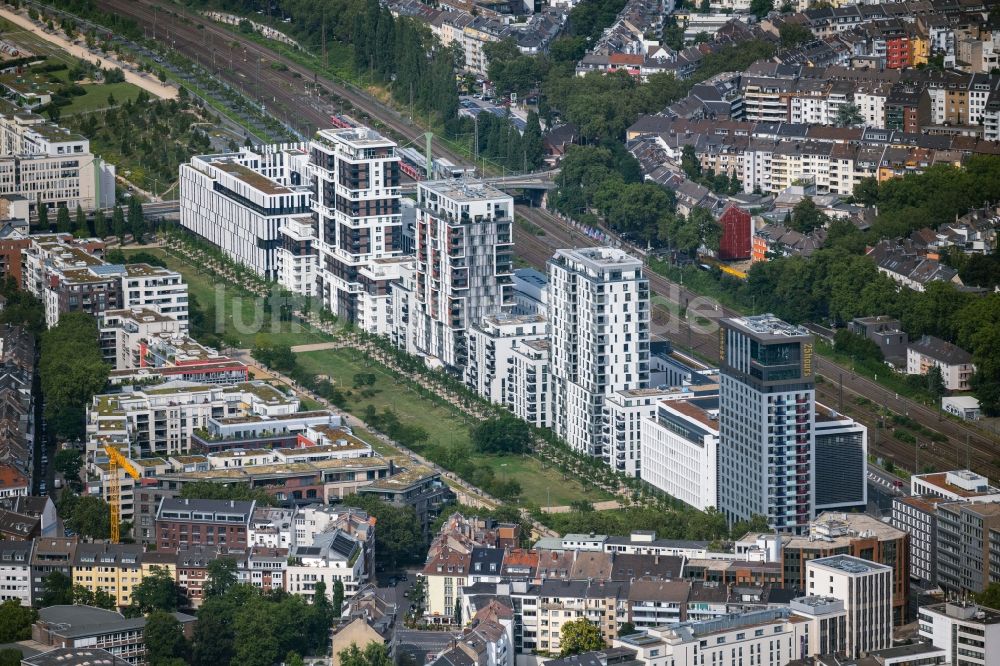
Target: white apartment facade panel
x=680 y=453
x=599 y=311
x=491 y=349
x=229 y=201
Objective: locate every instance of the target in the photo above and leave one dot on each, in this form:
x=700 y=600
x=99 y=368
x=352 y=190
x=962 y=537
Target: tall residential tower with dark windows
x=356 y=202
x=766 y=418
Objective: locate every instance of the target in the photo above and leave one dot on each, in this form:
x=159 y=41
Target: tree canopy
x=16 y=621
x=579 y=636
x=72 y=370
x=87 y=515
x=401 y=540
x=57 y=590
x=164 y=638
x=158 y=591
x=502 y=435
x=373 y=654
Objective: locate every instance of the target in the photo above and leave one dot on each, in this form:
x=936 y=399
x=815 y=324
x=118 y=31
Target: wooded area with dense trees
x=72 y=371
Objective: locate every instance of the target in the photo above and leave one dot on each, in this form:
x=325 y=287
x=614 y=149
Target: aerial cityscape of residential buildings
x=693 y=365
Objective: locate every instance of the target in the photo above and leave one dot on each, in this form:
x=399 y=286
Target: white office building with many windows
x=968 y=633
x=866 y=590
x=680 y=445
x=240 y=201
x=599 y=317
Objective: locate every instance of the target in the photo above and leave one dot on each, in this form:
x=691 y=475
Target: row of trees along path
x=627 y=490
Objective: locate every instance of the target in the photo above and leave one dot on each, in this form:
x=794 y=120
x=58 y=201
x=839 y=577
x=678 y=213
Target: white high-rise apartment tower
x=599 y=310
x=465 y=264
x=766 y=419
x=357 y=205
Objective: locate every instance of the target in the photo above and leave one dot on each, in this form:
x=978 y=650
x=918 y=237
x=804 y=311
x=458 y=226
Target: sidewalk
x=148 y=83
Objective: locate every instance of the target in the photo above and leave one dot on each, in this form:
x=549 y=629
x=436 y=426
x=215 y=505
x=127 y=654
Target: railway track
x=286 y=91
x=246 y=65
x=964 y=443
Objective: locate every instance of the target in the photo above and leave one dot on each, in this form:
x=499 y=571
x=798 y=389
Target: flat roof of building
x=464 y=189
x=967 y=611
x=507 y=319
x=362 y=137
x=252 y=178
x=850 y=564
x=601 y=257
x=767 y=326
x=403 y=479
x=940 y=480
x=687 y=408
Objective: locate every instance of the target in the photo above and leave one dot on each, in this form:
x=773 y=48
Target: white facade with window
x=491 y=350
x=239 y=201
x=680 y=453
x=599 y=311
x=966 y=632
x=866 y=590
x=622 y=422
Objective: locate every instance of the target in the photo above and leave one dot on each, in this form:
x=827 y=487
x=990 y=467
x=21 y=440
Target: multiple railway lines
x=289 y=91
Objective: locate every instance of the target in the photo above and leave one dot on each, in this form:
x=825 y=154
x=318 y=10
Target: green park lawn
x=444 y=425
x=238 y=308
x=97 y=97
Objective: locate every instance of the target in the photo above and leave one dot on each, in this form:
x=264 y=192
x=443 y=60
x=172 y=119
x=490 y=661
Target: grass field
x=239 y=312
x=97 y=97
x=445 y=426
x=97 y=93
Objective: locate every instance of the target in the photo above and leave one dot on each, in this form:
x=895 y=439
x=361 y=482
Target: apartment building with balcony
x=160 y=420
x=357 y=206
x=954 y=362
x=529 y=394
x=599 y=316
x=622 y=421
x=331 y=557
x=464 y=269
x=72 y=276
x=240 y=201
x=766 y=417
x=297 y=256
x=492 y=342
x=156 y=288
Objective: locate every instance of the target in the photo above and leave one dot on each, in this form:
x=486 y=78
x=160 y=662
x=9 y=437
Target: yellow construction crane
x=118 y=462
